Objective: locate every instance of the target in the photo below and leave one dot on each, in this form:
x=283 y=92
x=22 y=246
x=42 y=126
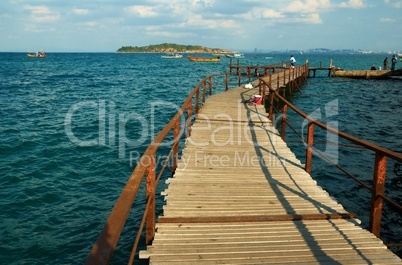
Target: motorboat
x=36 y=54
x=204 y=59
x=235 y=55
x=172 y=56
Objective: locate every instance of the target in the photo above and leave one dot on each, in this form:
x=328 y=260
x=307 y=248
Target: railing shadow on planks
x=149 y=171
x=279 y=104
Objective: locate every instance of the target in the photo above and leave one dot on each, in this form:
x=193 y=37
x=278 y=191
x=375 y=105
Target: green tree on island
x=171 y=47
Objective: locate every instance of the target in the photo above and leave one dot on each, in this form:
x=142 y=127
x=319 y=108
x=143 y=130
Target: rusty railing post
x=291 y=78
x=189 y=118
x=270 y=81
x=176 y=139
x=197 y=100
x=284 y=76
x=284 y=120
x=210 y=85
x=309 y=150
x=204 y=91
x=227 y=82
x=380 y=169
x=150 y=193
x=271 y=105
x=277 y=80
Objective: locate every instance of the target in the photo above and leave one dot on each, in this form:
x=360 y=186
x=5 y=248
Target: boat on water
x=204 y=59
x=235 y=55
x=218 y=54
x=399 y=56
x=172 y=56
x=367 y=74
x=36 y=54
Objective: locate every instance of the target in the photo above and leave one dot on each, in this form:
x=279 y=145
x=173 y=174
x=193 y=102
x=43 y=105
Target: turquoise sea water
x=72 y=123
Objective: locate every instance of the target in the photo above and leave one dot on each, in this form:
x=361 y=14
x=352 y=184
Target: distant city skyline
x=275 y=25
x=325 y=50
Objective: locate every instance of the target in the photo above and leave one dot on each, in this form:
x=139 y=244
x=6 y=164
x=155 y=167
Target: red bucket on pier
x=257 y=99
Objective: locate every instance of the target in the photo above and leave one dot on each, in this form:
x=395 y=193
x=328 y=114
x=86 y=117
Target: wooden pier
x=257 y=71
x=240 y=196
x=315 y=69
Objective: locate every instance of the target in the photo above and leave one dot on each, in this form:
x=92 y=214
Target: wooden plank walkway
x=240 y=196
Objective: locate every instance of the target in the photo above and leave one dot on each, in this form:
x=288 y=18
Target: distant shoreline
x=171 y=48
x=177 y=52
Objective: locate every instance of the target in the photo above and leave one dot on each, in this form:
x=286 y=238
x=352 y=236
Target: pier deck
x=240 y=196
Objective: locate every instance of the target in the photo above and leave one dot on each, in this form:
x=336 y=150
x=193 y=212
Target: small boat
x=204 y=59
x=36 y=54
x=367 y=74
x=400 y=56
x=172 y=56
x=218 y=54
x=236 y=55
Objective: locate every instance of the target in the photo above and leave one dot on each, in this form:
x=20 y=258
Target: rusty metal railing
x=105 y=245
x=278 y=103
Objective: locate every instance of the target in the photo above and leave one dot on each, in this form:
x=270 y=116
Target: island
x=171 y=48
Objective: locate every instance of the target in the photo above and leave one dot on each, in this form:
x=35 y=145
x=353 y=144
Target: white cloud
x=142 y=11
x=387 y=20
x=305 y=19
x=80 y=11
x=228 y=24
x=353 y=4
x=396 y=4
x=313 y=19
x=168 y=34
x=204 y=2
x=308 y=6
x=197 y=21
x=90 y=24
x=42 y=13
x=36 y=29
x=270 y=13
x=261 y=13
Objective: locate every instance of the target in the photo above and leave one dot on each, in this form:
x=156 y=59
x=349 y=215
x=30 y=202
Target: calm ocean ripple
x=59 y=182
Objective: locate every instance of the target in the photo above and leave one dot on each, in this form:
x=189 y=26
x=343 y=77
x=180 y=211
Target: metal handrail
x=102 y=250
x=381 y=155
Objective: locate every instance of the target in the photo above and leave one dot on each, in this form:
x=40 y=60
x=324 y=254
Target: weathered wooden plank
x=314 y=224
x=251 y=260
x=335 y=256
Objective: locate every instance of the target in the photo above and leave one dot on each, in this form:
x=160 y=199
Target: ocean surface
x=72 y=125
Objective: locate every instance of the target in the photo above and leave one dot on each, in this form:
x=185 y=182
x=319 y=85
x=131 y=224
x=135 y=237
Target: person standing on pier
x=386 y=63
x=393 y=62
x=292 y=61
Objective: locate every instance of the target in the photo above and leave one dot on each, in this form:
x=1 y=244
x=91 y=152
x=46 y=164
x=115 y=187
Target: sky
x=241 y=25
